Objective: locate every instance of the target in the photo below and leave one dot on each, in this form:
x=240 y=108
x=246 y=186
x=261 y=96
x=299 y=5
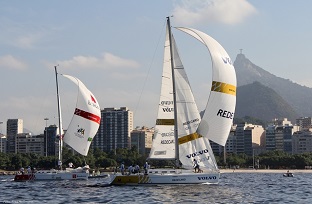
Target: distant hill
x=262 y=102
x=298 y=97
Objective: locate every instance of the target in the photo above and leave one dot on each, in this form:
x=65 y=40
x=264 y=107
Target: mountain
x=297 y=96
x=262 y=102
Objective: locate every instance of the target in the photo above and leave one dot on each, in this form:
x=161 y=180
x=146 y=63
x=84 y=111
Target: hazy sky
x=116 y=48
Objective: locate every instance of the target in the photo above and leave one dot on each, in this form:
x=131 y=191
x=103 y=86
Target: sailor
x=122 y=168
x=59 y=163
x=196 y=166
x=29 y=170
x=133 y=169
x=22 y=170
x=137 y=168
x=146 y=167
x=130 y=169
x=71 y=165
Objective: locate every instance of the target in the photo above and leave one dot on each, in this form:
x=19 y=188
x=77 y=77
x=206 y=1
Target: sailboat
x=180 y=133
x=81 y=130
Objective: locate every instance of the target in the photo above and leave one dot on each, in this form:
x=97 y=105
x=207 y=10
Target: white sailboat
x=180 y=133
x=82 y=128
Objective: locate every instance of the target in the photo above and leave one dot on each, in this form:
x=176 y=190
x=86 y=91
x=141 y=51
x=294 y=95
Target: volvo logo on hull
x=207 y=178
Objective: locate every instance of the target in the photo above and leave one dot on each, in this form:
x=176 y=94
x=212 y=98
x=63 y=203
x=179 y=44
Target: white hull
x=53 y=175
x=61 y=175
x=166 y=177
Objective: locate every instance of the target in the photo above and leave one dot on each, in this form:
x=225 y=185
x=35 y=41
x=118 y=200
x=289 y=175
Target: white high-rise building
x=115 y=129
x=26 y=143
x=14 y=127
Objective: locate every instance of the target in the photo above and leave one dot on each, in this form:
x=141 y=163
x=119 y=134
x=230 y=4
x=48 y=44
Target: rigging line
x=149 y=69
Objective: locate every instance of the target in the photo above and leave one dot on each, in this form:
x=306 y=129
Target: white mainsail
x=86 y=119
x=220 y=108
x=163 y=146
x=191 y=145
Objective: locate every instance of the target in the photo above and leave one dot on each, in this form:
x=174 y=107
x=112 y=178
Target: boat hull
x=58 y=175
x=174 y=178
x=288 y=175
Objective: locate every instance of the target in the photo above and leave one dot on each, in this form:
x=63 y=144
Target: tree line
x=271 y=159
x=98 y=159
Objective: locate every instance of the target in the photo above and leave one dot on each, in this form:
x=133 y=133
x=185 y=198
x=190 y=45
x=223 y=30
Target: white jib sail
x=163 y=146
x=191 y=145
x=86 y=119
x=219 y=112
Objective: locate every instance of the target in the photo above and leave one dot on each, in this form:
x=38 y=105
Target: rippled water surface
x=233 y=188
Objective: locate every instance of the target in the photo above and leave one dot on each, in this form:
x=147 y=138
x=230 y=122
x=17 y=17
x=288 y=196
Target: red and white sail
x=85 y=121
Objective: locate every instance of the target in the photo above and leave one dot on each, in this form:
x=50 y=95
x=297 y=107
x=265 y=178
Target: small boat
x=82 y=128
x=288 y=174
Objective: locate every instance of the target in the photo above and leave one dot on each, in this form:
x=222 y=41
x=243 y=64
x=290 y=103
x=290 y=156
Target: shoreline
x=222 y=171
x=309 y=171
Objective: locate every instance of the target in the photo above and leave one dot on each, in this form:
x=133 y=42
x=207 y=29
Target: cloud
x=231 y=12
x=10 y=62
x=106 y=61
x=26 y=42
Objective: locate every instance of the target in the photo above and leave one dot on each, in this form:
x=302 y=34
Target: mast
x=59 y=120
x=174 y=98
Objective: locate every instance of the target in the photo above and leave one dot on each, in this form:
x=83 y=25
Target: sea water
x=233 y=188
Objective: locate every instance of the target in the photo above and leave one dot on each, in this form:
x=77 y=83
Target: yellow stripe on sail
x=223 y=88
x=165 y=122
x=189 y=138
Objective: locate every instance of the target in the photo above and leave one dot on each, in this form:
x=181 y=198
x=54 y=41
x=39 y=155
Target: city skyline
x=115 y=48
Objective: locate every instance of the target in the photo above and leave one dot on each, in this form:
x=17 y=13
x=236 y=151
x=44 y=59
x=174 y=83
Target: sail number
x=167 y=134
x=167 y=141
x=166 y=102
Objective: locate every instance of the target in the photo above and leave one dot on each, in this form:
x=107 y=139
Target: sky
x=115 y=48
